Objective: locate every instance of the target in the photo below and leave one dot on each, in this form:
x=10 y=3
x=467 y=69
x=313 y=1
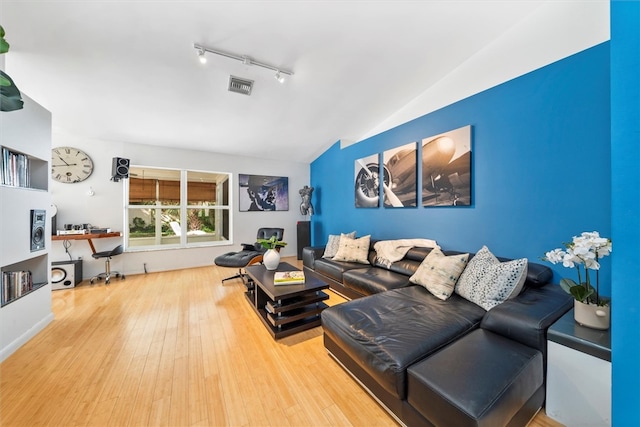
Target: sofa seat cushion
x=483 y=379
x=335 y=269
x=387 y=332
x=372 y=280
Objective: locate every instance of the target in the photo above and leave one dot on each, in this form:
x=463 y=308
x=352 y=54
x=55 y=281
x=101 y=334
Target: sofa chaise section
x=387 y=332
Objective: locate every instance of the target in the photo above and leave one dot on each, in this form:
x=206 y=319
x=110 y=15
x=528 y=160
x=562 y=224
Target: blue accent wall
x=625 y=202
x=541 y=168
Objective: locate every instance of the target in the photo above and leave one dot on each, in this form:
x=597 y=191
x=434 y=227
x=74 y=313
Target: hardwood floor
x=177 y=349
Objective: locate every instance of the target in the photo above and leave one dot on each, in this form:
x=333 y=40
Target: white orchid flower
x=592 y=264
x=555 y=256
x=569 y=260
x=586 y=249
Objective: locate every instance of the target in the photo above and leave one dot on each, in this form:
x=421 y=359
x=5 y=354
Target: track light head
x=201 y=57
x=279 y=77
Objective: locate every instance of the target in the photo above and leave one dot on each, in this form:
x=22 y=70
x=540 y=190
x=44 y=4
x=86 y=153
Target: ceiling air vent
x=238 y=85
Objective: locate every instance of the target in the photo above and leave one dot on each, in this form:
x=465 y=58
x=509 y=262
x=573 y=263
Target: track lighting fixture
x=201 y=57
x=242 y=58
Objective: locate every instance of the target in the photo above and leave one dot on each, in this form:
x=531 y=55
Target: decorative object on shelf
x=10 y=98
x=70 y=165
x=271 y=258
x=306 y=207
x=592 y=315
x=590 y=309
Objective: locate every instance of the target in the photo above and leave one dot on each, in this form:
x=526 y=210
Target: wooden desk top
x=86 y=236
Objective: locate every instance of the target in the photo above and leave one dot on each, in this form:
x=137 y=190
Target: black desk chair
x=250 y=254
x=107 y=265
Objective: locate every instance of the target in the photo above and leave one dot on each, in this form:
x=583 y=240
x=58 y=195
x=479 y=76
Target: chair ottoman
x=483 y=379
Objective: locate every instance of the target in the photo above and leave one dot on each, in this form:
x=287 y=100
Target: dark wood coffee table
x=286 y=309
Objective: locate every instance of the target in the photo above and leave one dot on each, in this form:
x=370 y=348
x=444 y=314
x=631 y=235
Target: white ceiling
x=127 y=70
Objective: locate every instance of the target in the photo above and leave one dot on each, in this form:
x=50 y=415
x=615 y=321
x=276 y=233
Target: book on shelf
x=15 y=284
x=14 y=169
x=295 y=277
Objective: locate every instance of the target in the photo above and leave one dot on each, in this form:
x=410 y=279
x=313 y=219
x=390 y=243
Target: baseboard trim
x=13 y=346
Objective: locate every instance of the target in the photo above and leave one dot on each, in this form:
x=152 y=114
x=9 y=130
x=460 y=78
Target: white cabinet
x=578 y=374
x=25 y=205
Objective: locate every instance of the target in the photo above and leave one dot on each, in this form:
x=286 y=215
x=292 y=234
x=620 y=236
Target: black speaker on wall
x=119 y=168
x=37 y=229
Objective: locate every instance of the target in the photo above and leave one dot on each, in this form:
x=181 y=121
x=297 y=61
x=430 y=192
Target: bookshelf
x=18 y=169
x=25 y=202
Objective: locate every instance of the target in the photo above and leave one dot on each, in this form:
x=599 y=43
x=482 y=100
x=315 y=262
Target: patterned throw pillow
x=488 y=282
x=354 y=250
x=334 y=243
x=439 y=273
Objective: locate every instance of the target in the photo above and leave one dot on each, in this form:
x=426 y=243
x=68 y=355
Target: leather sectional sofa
x=433 y=362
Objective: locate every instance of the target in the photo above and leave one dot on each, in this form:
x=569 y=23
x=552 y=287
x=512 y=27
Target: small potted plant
x=584 y=252
x=271 y=258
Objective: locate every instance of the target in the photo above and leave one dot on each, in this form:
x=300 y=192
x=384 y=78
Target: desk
x=88 y=237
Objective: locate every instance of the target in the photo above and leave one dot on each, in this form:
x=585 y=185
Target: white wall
x=29 y=131
x=106 y=207
x=568 y=27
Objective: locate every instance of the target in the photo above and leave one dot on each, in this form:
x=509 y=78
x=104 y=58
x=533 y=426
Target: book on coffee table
x=295 y=277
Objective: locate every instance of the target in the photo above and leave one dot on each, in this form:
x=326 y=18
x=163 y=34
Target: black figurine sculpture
x=306 y=208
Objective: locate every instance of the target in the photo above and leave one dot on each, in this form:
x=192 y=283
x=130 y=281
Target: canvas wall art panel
x=263 y=193
x=446 y=168
x=366 y=182
x=400 y=176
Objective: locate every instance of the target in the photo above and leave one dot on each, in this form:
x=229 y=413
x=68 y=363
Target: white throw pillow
x=439 y=273
x=488 y=282
x=354 y=250
x=333 y=243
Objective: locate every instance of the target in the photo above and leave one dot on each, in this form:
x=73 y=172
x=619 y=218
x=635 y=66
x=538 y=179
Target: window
x=176 y=208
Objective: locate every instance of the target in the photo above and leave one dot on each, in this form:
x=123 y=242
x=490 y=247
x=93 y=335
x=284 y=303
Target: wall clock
x=70 y=165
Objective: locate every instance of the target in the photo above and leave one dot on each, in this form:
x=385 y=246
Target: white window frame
x=182 y=207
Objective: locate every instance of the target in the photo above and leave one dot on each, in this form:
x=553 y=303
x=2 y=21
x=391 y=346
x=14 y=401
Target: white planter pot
x=591 y=315
x=271 y=259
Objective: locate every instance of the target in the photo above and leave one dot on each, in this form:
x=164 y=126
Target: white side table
x=578 y=374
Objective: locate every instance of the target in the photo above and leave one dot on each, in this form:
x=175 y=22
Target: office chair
x=250 y=254
x=107 y=265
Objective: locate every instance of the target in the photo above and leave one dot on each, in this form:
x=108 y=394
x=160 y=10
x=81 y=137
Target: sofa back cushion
x=407 y=265
x=334 y=269
x=373 y=280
